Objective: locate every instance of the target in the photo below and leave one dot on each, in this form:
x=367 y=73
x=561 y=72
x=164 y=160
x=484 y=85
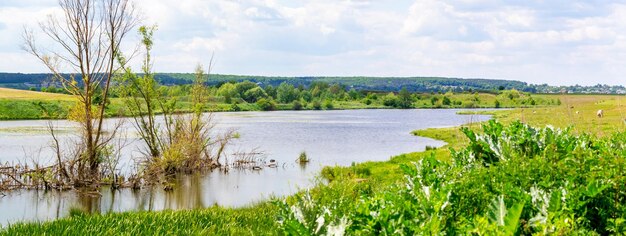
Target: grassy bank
x=22 y=104
x=350 y=187
x=210 y=221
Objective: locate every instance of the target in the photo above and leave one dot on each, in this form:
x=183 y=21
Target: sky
x=558 y=42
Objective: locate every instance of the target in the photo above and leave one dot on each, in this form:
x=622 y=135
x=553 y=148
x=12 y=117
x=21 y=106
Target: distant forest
x=382 y=84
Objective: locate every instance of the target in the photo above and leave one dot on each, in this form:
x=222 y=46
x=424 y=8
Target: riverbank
x=31 y=105
x=347 y=184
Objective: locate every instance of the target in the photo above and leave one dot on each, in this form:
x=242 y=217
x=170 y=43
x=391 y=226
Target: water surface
x=328 y=137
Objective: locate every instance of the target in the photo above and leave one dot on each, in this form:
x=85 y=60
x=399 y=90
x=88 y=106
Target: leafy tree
x=286 y=93
x=446 y=101
x=354 y=95
x=271 y=91
x=404 y=99
x=336 y=89
x=244 y=86
x=306 y=96
x=254 y=94
x=316 y=91
x=228 y=91
x=433 y=100
x=391 y=100
x=89 y=36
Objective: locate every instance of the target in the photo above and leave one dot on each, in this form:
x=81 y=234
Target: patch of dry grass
x=6 y=93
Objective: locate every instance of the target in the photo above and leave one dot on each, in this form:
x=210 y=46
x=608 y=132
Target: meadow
x=247 y=96
x=23 y=104
x=498 y=178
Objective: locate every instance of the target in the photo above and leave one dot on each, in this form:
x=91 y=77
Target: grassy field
x=23 y=104
x=347 y=183
x=577 y=111
x=6 y=93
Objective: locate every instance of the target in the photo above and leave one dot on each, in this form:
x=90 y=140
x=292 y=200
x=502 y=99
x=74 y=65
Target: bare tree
x=89 y=34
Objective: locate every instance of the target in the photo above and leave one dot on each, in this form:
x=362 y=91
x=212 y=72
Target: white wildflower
x=320 y=222
x=339 y=229
x=298 y=214
x=426 y=191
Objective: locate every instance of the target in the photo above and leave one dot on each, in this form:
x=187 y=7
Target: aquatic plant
x=303 y=158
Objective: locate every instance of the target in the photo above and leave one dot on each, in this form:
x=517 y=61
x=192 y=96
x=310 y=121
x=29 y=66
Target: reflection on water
x=328 y=137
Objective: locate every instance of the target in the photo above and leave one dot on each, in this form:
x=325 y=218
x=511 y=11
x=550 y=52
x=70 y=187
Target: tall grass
x=257 y=220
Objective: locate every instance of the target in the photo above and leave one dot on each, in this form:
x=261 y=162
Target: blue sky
x=558 y=42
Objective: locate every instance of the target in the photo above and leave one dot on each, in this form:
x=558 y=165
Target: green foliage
x=271 y=91
x=222 y=97
x=303 y=158
x=446 y=101
x=328 y=104
x=254 y=94
x=266 y=104
x=354 y=95
x=243 y=87
x=391 y=100
x=296 y=105
x=317 y=105
x=33 y=109
x=257 y=220
x=286 y=93
x=508 y=180
x=404 y=99
x=228 y=91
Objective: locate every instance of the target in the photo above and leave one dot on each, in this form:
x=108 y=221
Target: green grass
x=256 y=220
x=17 y=109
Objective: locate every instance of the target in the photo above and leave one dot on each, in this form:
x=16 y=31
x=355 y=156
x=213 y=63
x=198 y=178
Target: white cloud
x=200 y=44
x=559 y=42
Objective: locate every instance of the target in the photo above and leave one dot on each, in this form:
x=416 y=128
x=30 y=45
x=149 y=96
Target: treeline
x=41 y=82
x=248 y=95
x=577 y=89
x=384 y=84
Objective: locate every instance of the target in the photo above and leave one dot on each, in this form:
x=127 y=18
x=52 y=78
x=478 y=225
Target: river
x=339 y=137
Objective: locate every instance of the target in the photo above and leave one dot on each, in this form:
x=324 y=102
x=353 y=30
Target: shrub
x=328 y=105
x=296 y=105
x=468 y=104
x=266 y=104
x=317 y=105
x=391 y=100
x=446 y=101
x=235 y=107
